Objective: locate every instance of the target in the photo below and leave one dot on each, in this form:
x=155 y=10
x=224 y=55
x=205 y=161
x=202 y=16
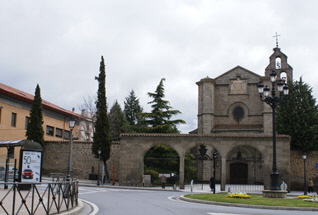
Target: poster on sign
x=31 y=166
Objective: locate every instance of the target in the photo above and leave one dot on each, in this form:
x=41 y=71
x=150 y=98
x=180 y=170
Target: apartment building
x=15 y=106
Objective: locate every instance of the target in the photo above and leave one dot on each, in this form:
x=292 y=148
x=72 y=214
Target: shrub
x=154 y=174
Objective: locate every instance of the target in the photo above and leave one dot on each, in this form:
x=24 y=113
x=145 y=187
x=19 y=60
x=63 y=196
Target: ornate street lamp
x=99 y=152
x=273 y=101
x=69 y=169
x=305 y=181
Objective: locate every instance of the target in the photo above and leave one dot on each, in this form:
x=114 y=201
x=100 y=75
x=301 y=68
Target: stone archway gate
x=133 y=147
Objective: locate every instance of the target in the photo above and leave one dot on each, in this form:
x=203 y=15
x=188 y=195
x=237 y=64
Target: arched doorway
x=245 y=166
x=238 y=173
x=162 y=161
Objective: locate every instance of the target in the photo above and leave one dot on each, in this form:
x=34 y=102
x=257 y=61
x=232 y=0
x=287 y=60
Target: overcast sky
x=58 y=44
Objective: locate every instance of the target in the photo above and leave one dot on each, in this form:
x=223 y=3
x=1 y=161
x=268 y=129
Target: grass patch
x=254 y=200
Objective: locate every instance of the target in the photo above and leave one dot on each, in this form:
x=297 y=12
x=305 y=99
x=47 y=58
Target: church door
x=238 y=173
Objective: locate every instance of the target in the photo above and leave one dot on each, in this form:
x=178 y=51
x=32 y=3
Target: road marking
x=210 y=213
x=174 y=198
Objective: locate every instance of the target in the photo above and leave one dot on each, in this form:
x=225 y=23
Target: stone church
x=232 y=121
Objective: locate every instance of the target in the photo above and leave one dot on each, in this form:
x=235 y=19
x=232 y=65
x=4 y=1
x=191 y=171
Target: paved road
x=144 y=202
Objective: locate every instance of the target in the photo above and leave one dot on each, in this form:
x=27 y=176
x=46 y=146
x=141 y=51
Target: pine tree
x=102 y=139
x=35 y=130
x=117 y=120
x=133 y=113
x=298 y=117
x=132 y=109
x=159 y=120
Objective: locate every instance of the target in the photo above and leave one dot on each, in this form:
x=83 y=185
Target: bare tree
x=88 y=109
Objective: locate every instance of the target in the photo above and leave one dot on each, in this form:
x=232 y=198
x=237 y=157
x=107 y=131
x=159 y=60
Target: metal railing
x=244 y=188
x=38 y=198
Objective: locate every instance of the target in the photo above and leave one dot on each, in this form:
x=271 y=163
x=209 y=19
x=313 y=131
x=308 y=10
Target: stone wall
x=297 y=168
x=55 y=159
x=84 y=163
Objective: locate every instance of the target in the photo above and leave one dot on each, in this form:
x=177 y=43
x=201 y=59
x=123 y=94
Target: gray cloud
x=58 y=44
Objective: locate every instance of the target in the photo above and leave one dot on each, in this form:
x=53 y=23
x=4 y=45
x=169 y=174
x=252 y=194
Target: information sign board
x=31 y=166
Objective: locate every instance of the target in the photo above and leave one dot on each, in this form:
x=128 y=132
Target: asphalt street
x=145 y=202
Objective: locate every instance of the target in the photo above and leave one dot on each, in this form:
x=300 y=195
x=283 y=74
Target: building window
x=238 y=113
x=26 y=123
x=67 y=134
x=49 y=130
x=58 y=132
x=13 y=119
x=0 y=113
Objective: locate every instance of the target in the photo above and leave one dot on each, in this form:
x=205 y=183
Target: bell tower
x=278 y=62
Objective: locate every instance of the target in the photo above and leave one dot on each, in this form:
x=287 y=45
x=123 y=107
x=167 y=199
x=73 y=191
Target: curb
x=247 y=206
x=75 y=210
x=128 y=187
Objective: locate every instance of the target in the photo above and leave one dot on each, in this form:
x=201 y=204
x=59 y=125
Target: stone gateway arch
x=232 y=149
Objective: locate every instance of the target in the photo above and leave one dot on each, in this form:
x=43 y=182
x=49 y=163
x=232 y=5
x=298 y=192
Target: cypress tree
x=101 y=139
x=35 y=130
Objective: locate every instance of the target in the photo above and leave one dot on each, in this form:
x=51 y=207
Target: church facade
x=232 y=121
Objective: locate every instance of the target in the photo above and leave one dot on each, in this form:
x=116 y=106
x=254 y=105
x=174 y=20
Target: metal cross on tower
x=277 y=35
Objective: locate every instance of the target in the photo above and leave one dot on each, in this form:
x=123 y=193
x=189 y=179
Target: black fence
x=38 y=198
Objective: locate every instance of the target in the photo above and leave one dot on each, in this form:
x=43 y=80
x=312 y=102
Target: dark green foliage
x=35 y=130
x=132 y=109
x=190 y=170
x=102 y=137
x=162 y=159
x=118 y=122
x=298 y=117
x=159 y=120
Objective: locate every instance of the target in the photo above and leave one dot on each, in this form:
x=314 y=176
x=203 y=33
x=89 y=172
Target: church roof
x=232 y=135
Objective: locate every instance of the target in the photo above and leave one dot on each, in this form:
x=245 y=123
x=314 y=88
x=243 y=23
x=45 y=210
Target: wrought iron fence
x=38 y=198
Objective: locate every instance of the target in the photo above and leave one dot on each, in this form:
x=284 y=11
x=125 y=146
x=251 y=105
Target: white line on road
x=210 y=213
x=174 y=198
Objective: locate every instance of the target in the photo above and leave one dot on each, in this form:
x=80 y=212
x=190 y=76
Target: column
x=223 y=173
x=181 y=172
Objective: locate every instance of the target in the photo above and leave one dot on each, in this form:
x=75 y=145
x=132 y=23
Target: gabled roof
x=238 y=67
x=21 y=95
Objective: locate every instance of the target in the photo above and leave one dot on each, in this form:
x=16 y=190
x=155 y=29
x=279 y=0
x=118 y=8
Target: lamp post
x=273 y=101
x=214 y=159
x=69 y=169
x=305 y=181
x=99 y=152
